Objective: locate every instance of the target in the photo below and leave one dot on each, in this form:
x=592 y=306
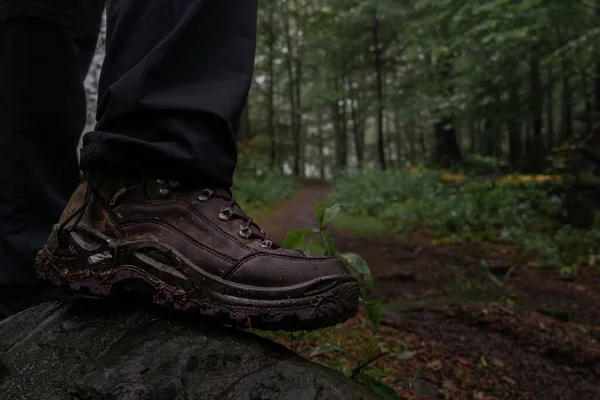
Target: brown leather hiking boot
x=194 y=250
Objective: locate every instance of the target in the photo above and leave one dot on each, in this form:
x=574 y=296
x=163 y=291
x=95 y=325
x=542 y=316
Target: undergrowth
x=256 y=186
x=519 y=210
x=357 y=347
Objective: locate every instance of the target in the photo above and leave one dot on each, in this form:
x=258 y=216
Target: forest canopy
x=343 y=84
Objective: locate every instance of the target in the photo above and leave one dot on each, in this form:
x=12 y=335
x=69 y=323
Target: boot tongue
x=107 y=185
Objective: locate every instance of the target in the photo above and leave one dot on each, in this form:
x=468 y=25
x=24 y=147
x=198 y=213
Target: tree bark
x=378 y=61
x=550 y=108
x=271 y=88
x=515 y=147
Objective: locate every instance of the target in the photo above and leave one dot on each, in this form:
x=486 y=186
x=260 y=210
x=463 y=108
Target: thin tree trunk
x=341 y=146
x=566 y=124
x=515 y=147
x=536 y=101
x=550 y=108
x=379 y=73
x=597 y=92
x=271 y=88
x=488 y=127
x=422 y=141
x=398 y=137
x=588 y=96
x=292 y=93
x=358 y=140
x=321 y=144
x=473 y=131
x=412 y=140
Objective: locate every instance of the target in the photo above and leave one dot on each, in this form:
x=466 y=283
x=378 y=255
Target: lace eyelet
x=164 y=192
x=246 y=232
x=160 y=181
x=205 y=195
x=173 y=183
x=267 y=244
x=226 y=214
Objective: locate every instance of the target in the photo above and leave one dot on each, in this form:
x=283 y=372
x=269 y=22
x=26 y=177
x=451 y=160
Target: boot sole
x=326 y=302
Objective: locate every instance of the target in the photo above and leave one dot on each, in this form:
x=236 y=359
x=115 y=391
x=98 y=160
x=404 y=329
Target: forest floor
x=466 y=337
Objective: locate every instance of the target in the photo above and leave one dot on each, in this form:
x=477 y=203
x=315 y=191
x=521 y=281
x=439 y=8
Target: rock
x=96 y=350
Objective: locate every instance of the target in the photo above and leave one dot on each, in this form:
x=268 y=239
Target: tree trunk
x=446 y=152
x=488 y=127
x=292 y=89
x=398 y=137
x=358 y=137
x=271 y=88
x=536 y=102
x=321 y=143
x=379 y=73
x=566 y=125
x=412 y=139
x=515 y=147
x=341 y=145
x=473 y=131
x=550 y=108
x=588 y=96
x=597 y=93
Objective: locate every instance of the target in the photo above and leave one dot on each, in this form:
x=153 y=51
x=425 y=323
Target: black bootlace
x=229 y=211
x=63 y=232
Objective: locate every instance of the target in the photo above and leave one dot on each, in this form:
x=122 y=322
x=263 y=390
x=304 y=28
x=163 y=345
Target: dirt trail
x=295 y=213
x=538 y=338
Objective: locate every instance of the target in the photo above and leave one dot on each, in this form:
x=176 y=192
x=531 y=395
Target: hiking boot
x=191 y=249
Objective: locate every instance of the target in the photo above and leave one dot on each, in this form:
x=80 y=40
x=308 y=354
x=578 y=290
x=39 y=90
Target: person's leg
x=174 y=84
x=45 y=52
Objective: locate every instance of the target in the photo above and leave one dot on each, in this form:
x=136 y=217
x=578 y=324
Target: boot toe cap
x=278 y=270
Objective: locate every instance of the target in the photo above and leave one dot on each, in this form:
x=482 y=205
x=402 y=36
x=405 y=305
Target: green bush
x=524 y=214
x=256 y=186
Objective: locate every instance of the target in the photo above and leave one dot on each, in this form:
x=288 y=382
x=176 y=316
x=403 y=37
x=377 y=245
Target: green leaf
x=381 y=390
x=373 y=309
x=320 y=213
x=294 y=240
x=331 y=212
x=326 y=348
x=360 y=266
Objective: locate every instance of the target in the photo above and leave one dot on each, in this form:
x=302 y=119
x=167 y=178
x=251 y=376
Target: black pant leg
x=173 y=86
x=42 y=113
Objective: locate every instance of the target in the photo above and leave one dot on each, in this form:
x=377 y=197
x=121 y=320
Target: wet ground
x=472 y=332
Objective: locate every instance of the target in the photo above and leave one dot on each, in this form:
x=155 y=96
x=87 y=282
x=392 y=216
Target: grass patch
x=359 y=224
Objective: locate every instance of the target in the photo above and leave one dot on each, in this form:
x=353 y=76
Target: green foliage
x=326 y=348
x=360 y=266
x=524 y=213
x=382 y=391
x=488 y=68
x=318 y=241
x=256 y=186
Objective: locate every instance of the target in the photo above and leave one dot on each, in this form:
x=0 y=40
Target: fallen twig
x=359 y=368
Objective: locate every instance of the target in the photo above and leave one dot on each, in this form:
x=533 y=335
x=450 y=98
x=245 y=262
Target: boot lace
x=232 y=210
x=63 y=232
